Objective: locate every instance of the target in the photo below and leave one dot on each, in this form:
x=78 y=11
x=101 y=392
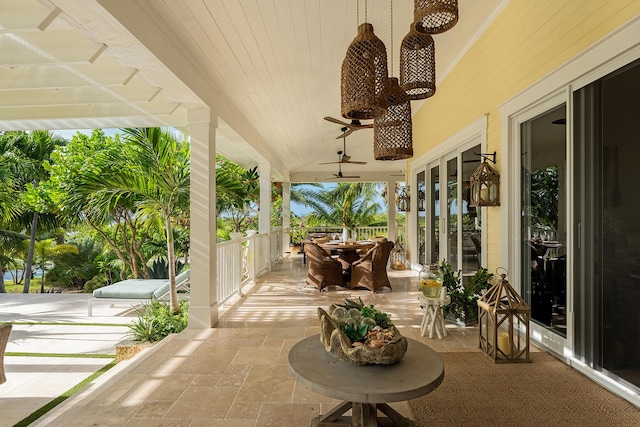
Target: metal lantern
x=392 y=132
x=402 y=200
x=418 y=65
x=503 y=322
x=435 y=16
x=364 y=77
x=485 y=186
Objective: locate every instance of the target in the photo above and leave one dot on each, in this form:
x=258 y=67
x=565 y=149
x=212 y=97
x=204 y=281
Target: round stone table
x=365 y=389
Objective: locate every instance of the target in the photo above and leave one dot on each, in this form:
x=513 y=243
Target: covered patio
x=253 y=81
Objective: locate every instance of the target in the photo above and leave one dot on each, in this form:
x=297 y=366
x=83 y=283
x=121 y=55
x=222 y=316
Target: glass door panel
x=606 y=303
x=471 y=224
x=544 y=222
x=452 y=211
x=434 y=214
x=422 y=219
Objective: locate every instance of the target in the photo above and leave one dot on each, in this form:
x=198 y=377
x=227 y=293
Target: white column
x=264 y=220
x=286 y=214
x=203 y=309
x=391 y=211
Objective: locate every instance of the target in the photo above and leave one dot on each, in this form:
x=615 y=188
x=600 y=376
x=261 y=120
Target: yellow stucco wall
x=529 y=39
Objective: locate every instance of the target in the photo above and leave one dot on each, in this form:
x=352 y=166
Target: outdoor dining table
x=365 y=389
x=347 y=252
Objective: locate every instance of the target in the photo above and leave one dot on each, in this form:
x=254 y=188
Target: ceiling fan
x=348 y=128
x=342 y=155
x=339 y=174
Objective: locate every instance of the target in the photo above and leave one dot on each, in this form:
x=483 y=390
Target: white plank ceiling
x=68 y=64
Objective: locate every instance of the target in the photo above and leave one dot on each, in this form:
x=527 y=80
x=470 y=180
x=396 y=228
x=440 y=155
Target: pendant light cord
x=366 y=7
x=391 y=73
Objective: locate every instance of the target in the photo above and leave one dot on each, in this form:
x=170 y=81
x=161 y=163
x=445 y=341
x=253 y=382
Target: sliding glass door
x=607 y=203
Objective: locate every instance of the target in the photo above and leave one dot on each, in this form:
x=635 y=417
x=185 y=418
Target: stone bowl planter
x=337 y=343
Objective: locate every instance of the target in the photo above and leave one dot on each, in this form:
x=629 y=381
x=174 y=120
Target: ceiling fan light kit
x=418 y=65
x=435 y=16
x=393 y=132
x=364 y=75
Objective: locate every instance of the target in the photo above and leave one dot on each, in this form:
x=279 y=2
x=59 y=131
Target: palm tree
x=156 y=179
x=347 y=204
x=35 y=150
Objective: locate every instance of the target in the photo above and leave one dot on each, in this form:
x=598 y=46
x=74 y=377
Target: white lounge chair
x=135 y=292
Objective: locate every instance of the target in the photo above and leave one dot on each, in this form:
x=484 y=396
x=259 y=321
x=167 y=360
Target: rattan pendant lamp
x=418 y=65
x=435 y=16
x=393 y=131
x=363 y=84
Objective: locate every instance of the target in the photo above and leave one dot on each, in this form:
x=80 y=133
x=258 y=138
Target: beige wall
x=529 y=39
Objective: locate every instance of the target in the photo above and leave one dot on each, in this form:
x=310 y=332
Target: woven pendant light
x=418 y=65
x=364 y=77
x=435 y=16
x=392 y=132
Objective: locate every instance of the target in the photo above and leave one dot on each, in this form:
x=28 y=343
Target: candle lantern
x=485 y=184
x=402 y=200
x=503 y=321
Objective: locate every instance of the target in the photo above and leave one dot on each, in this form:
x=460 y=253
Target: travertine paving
x=236 y=375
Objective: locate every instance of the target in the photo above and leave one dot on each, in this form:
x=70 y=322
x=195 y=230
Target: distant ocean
x=7 y=275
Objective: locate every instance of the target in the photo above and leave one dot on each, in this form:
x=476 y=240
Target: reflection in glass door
x=452 y=212
x=422 y=220
x=453 y=228
x=544 y=222
x=606 y=301
x=434 y=210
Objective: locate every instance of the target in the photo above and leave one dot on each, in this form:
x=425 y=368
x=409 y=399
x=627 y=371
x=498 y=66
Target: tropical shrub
x=156 y=321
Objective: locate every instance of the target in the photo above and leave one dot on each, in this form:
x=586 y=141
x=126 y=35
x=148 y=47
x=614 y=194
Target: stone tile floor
x=236 y=375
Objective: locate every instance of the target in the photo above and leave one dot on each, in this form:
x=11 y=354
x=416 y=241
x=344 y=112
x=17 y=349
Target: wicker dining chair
x=323 y=270
x=370 y=271
x=5 y=331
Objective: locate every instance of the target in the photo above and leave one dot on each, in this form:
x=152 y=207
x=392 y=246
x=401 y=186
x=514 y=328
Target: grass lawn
x=13 y=288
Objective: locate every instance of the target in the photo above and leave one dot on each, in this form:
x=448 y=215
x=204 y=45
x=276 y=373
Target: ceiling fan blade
x=340 y=122
x=354 y=162
x=359 y=126
x=347 y=133
x=329 y=163
x=351 y=176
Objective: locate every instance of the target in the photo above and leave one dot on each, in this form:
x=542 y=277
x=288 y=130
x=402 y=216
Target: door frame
x=473 y=134
x=612 y=52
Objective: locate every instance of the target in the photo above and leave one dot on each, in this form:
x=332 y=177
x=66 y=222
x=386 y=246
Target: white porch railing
x=240 y=261
x=362 y=233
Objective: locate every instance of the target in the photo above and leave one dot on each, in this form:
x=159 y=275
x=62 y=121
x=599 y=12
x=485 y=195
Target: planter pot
x=295 y=249
x=236 y=235
x=468 y=318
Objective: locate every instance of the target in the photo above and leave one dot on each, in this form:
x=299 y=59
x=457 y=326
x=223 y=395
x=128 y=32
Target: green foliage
x=382 y=319
x=350 y=303
x=451 y=279
x=237 y=195
x=93 y=284
x=156 y=321
x=464 y=297
x=544 y=197
x=298 y=230
x=344 y=205
x=355 y=332
x=480 y=281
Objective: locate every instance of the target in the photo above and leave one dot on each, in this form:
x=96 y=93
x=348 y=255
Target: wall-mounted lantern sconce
x=485 y=183
x=402 y=200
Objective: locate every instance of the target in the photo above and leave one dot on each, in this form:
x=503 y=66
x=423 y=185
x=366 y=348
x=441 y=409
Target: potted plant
x=464 y=296
x=297 y=233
